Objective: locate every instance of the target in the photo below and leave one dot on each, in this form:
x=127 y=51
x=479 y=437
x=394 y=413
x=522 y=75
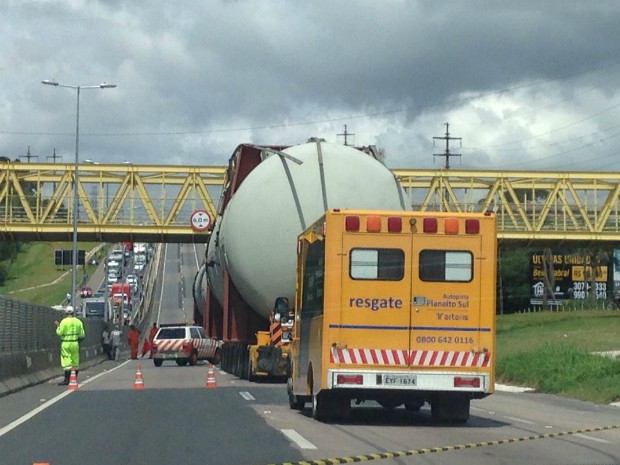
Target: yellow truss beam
x=154 y=202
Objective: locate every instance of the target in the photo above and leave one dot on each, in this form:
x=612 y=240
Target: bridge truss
x=154 y=202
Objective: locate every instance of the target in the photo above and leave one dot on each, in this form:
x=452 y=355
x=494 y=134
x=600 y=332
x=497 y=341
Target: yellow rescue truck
x=396 y=307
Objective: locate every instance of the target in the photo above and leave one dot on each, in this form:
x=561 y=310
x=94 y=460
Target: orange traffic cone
x=73 y=384
x=211 y=383
x=138 y=382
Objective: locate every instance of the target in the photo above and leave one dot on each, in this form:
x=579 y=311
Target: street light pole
x=74 y=252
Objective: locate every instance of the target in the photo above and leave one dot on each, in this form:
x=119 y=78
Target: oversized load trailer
x=394 y=307
x=272 y=194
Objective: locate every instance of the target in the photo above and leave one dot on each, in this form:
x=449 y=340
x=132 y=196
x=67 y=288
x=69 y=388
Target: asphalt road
x=175 y=419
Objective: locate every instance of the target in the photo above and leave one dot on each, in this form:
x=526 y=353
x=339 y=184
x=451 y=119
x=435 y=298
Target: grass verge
x=551 y=352
x=35 y=278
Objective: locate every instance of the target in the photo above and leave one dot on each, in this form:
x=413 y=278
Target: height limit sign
x=200 y=220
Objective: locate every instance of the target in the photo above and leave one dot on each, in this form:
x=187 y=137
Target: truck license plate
x=399 y=380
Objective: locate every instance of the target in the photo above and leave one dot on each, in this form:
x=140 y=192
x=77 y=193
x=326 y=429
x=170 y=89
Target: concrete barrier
x=20 y=370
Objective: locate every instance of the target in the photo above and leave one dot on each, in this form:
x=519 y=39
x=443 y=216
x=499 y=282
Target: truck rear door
x=446 y=314
x=375 y=316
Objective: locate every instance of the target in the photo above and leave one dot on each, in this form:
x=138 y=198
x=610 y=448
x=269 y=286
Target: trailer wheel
x=327 y=406
x=250 y=369
x=389 y=404
x=413 y=406
x=217 y=357
x=450 y=408
x=157 y=362
x=293 y=401
x=319 y=410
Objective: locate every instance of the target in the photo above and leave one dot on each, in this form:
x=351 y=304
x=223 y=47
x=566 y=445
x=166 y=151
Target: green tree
x=514 y=279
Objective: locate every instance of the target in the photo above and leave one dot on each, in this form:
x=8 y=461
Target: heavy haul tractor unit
x=271 y=195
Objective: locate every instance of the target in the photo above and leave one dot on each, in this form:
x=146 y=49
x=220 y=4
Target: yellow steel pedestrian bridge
x=154 y=203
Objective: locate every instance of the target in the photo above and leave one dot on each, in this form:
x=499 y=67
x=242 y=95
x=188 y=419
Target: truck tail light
x=349 y=379
x=429 y=225
x=395 y=224
x=352 y=223
x=472 y=226
x=467 y=381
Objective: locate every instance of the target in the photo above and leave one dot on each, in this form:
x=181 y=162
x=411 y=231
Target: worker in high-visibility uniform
x=70 y=331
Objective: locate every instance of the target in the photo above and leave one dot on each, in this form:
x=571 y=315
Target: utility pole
x=54 y=157
x=346 y=134
x=28 y=155
x=447 y=153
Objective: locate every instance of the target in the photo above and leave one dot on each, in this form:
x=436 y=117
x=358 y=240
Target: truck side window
x=314 y=271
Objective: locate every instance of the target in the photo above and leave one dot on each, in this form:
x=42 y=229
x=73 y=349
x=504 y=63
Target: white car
x=184 y=344
x=111 y=279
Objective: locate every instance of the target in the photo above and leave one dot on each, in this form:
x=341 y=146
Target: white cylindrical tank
x=255 y=239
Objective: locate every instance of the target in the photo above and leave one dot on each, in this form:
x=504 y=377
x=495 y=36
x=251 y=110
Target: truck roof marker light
x=351 y=223
x=349 y=379
x=429 y=225
x=395 y=224
x=373 y=223
x=472 y=226
x=451 y=226
x=467 y=381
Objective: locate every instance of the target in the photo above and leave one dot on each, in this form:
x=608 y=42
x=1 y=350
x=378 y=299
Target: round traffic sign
x=200 y=220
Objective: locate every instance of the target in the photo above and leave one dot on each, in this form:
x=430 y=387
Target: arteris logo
x=375 y=303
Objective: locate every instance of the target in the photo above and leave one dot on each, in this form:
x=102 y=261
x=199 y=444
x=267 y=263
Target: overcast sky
x=525 y=84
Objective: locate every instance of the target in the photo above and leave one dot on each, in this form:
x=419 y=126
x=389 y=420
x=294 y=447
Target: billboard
x=573 y=274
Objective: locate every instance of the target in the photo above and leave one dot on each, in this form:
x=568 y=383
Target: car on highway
x=184 y=344
x=112 y=278
x=86 y=292
x=132 y=280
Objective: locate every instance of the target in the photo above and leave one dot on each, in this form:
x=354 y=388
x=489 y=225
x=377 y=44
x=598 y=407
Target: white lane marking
x=298 y=439
x=24 y=418
x=246 y=395
x=14 y=424
x=521 y=420
x=592 y=438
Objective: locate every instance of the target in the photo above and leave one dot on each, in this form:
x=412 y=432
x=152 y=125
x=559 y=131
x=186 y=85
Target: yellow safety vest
x=70 y=329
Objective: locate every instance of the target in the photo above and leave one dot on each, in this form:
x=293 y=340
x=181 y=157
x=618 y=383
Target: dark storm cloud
x=190 y=74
